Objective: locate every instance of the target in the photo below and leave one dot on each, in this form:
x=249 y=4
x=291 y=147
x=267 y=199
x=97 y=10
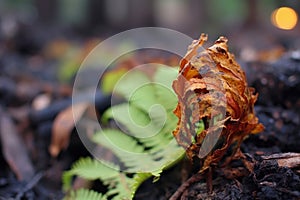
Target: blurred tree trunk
x=47 y=10
x=122 y=14
x=253 y=14
x=96 y=13
x=140 y=13
x=198 y=17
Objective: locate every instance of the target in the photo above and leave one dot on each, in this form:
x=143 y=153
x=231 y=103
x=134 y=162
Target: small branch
x=30 y=184
x=185 y=185
x=290 y=160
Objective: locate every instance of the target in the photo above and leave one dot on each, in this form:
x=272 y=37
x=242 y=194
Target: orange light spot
x=284 y=18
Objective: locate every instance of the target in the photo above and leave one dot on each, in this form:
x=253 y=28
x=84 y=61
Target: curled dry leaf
x=212 y=90
x=63 y=126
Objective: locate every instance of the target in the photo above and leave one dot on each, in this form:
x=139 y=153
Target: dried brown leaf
x=63 y=126
x=210 y=84
x=14 y=150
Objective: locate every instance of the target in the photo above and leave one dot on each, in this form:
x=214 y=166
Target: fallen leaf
x=14 y=150
x=63 y=126
x=212 y=87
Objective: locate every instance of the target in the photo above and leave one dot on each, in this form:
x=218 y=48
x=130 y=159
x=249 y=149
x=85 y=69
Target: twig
x=30 y=185
x=209 y=180
x=185 y=185
x=290 y=160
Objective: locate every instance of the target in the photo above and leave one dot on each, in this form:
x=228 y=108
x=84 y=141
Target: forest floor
x=31 y=96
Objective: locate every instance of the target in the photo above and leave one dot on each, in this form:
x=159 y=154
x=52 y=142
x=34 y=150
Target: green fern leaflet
x=143 y=141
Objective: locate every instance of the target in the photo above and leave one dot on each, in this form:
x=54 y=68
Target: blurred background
x=44 y=19
x=46 y=36
x=59 y=34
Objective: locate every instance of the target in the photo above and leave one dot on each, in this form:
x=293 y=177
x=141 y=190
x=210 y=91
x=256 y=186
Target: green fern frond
x=117 y=141
x=138 y=179
x=85 y=194
x=146 y=140
x=149 y=127
x=130 y=82
x=118 y=183
x=129 y=151
x=119 y=187
x=137 y=122
x=89 y=169
x=133 y=154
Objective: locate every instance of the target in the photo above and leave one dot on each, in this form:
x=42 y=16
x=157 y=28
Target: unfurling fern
x=143 y=142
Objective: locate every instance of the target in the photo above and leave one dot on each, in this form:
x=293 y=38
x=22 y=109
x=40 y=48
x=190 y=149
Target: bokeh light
x=284 y=18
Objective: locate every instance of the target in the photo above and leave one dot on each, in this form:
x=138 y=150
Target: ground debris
x=290 y=160
x=14 y=150
x=268 y=181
